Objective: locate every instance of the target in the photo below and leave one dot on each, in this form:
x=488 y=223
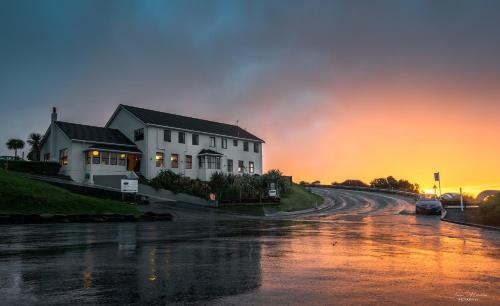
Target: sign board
x=273 y=193
x=130 y=186
x=436 y=176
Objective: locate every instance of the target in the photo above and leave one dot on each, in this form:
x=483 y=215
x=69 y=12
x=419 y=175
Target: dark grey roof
x=208 y=152
x=188 y=123
x=114 y=148
x=93 y=133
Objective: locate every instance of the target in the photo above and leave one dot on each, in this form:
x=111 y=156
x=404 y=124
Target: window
x=245 y=146
x=122 y=159
x=256 y=147
x=88 y=157
x=182 y=137
x=46 y=157
x=189 y=162
x=213 y=162
x=63 y=157
x=174 y=160
x=113 y=158
x=241 y=166
x=139 y=134
x=195 y=139
x=96 y=157
x=251 y=167
x=105 y=158
x=167 y=135
x=201 y=162
x=159 y=160
x=224 y=143
x=212 y=142
x=235 y=142
x=229 y=165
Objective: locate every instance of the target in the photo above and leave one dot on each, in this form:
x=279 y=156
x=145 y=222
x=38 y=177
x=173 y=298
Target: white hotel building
x=141 y=141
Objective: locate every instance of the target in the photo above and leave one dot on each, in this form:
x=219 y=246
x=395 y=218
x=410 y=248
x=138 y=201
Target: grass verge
x=19 y=195
x=298 y=199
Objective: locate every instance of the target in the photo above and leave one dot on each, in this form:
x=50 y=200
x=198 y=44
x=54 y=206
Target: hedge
x=38 y=167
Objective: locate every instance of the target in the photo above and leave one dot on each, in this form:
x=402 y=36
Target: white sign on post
x=130 y=186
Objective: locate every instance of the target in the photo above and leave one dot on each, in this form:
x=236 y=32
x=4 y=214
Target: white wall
x=127 y=124
x=156 y=143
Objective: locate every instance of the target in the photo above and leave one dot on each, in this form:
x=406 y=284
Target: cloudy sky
x=338 y=89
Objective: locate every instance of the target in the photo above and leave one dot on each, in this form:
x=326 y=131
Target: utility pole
x=461 y=200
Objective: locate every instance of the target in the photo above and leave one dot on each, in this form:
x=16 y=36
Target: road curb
x=443 y=218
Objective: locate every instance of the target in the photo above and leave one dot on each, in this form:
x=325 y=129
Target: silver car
x=428 y=205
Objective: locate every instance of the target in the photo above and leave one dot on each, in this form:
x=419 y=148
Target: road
x=367 y=249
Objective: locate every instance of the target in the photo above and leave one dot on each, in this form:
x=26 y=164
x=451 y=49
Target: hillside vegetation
x=24 y=196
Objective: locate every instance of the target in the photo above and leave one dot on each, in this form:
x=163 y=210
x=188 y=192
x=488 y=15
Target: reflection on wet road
x=367 y=249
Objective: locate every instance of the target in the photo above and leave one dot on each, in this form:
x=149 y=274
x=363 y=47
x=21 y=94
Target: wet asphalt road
x=367 y=249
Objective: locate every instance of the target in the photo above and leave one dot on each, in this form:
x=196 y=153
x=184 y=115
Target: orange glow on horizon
x=405 y=132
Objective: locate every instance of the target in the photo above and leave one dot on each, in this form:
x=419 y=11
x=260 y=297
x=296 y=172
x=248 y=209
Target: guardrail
x=369 y=189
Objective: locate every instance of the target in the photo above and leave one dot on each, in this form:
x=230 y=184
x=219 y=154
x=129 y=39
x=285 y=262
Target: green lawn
x=298 y=199
x=25 y=196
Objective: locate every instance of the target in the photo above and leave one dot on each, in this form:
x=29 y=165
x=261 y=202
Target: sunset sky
x=337 y=89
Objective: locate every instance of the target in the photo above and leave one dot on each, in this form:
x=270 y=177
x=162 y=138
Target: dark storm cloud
x=228 y=60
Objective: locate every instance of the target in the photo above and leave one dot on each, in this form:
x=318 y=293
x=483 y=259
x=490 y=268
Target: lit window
x=167 y=135
x=251 y=168
x=241 y=166
x=105 y=158
x=256 y=147
x=159 y=160
x=182 y=137
x=63 y=157
x=212 y=142
x=224 y=143
x=174 y=160
x=245 y=146
x=113 y=158
x=195 y=139
x=139 y=134
x=122 y=159
x=96 y=157
x=229 y=165
x=189 y=162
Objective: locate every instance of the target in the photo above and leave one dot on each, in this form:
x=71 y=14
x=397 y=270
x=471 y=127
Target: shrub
x=46 y=168
x=490 y=210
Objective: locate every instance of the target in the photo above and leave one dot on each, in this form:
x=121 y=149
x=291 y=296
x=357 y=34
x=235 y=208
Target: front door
x=133 y=162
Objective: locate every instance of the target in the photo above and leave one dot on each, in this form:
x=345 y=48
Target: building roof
x=114 y=148
x=94 y=134
x=188 y=123
x=209 y=152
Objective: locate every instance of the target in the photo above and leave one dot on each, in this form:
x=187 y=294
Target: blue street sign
x=436 y=176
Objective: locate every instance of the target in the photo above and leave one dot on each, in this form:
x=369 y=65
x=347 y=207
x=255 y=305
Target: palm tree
x=15 y=144
x=34 y=141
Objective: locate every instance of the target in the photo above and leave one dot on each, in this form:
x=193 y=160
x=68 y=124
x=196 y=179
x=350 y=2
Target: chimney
x=53 y=117
x=53 y=134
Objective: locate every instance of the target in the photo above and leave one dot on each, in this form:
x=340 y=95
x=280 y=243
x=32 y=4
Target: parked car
x=428 y=205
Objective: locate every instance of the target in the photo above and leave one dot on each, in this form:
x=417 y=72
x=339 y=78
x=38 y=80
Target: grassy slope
x=24 y=196
x=490 y=211
x=299 y=198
